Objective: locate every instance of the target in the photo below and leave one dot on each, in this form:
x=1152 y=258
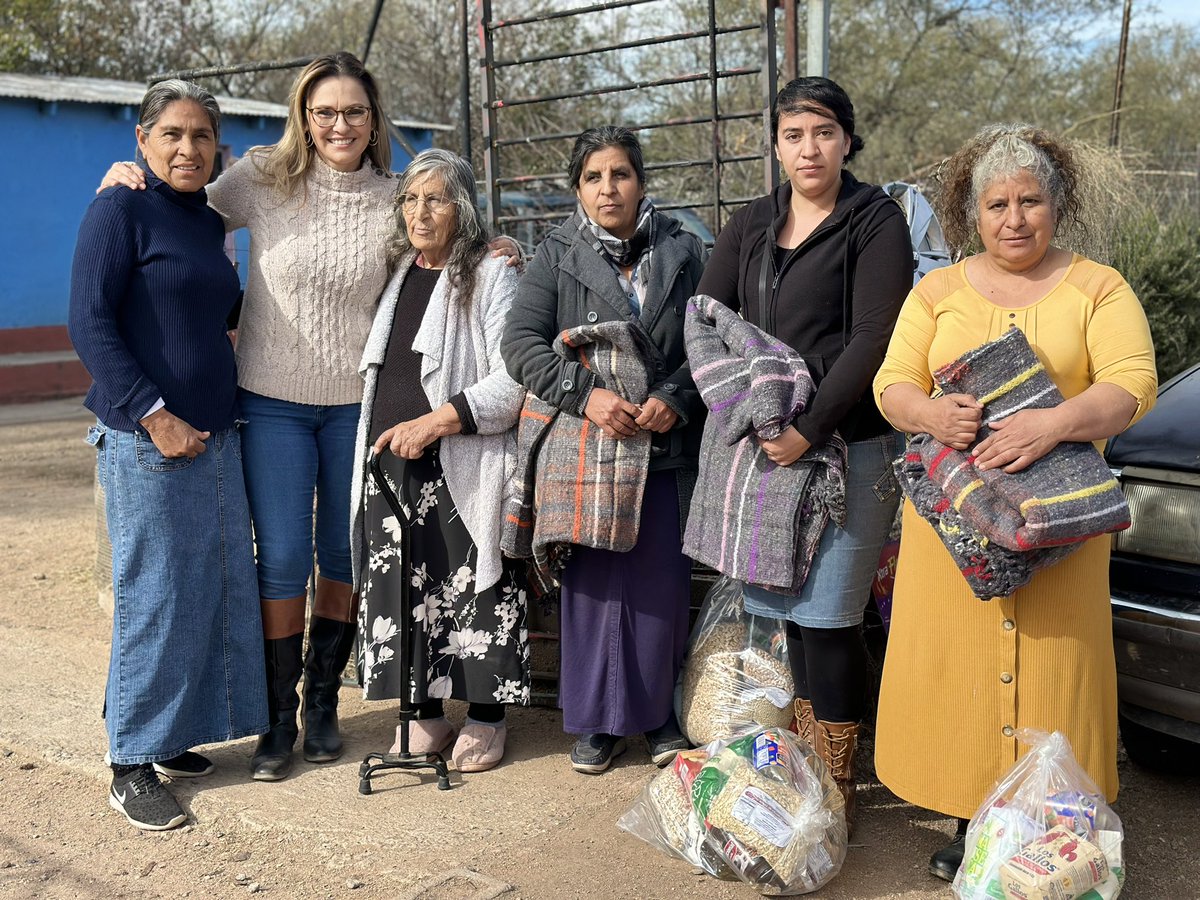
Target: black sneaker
x=185 y=765
x=594 y=753
x=145 y=802
x=663 y=743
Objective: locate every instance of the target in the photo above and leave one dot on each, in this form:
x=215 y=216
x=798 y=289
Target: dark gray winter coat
x=568 y=284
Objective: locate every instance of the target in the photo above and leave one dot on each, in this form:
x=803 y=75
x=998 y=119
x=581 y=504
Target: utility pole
x=1114 y=132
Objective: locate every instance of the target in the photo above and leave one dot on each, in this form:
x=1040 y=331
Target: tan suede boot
x=836 y=744
x=803 y=721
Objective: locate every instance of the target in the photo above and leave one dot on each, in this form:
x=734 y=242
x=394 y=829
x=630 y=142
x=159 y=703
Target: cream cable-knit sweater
x=317 y=268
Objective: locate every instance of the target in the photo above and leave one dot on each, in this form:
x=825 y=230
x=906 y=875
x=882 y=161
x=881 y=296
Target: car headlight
x=1165 y=510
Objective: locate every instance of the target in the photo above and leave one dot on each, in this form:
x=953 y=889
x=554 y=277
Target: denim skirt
x=187 y=651
x=839 y=582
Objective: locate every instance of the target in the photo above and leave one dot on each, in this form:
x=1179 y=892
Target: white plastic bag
x=771 y=813
x=1044 y=833
x=663 y=815
x=736 y=676
x=761 y=808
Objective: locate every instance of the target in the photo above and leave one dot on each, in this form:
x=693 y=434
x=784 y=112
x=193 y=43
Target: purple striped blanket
x=751 y=519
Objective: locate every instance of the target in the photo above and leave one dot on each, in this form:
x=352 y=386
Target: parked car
x=1155 y=580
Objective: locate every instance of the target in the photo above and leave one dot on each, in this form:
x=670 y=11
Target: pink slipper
x=479 y=746
x=426 y=736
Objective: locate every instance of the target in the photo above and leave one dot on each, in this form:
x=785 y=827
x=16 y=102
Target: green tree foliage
x=1161 y=261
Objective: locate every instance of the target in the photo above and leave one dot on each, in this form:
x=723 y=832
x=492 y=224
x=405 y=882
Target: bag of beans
x=736 y=675
x=1044 y=833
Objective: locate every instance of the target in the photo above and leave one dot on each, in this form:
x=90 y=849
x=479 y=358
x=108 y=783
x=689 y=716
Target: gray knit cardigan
x=459 y=343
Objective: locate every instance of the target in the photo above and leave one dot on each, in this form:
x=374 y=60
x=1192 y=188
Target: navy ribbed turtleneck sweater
x=150 y=289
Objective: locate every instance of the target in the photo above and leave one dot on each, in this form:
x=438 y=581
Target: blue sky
x=1184 y=11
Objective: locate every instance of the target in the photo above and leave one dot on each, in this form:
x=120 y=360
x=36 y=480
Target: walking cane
x=375 y=763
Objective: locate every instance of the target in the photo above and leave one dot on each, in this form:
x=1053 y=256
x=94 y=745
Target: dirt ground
x=530 y=829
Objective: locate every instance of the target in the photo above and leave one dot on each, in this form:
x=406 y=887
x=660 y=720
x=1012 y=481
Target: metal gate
x=502 y=170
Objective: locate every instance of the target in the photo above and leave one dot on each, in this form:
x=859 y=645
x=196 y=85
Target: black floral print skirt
x=466 y=645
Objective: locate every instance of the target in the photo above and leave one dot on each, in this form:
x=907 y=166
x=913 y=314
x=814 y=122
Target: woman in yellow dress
x=963 y=675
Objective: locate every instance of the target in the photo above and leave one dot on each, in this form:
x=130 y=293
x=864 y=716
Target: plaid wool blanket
x=1001 y=527
x=751 y=519
x=574 y=484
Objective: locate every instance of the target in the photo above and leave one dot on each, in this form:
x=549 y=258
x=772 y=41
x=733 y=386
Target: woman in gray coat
x=623 y=615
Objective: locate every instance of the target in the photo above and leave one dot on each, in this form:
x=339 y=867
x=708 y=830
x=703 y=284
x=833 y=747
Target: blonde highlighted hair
x=285 y=164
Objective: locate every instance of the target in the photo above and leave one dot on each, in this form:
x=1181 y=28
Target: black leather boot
x=944 y=864
x=273 y=755
x=329 y=644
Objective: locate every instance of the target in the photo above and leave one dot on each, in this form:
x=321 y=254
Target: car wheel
x=1158 y=751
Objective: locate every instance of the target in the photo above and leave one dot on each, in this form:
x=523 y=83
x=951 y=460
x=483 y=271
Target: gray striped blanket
x=574 y=484
x=1061 y=500
x=751 y=519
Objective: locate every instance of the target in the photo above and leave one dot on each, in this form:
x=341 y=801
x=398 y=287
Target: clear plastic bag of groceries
x=736 y=675
x=771 y=813
x=663 y=815
x=1044 y=833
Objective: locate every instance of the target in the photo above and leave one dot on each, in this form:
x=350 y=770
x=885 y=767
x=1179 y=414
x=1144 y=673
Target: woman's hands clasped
x=1018 y=441
x=953 y=419
x=618 y=418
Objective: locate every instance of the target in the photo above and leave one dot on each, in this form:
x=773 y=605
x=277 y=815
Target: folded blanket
x=751 y=519
x=1067 y=496
x=990 y=569
x=1002 y=527
x=573 y=484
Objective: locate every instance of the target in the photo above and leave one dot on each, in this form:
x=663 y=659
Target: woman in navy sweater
x=150 y=291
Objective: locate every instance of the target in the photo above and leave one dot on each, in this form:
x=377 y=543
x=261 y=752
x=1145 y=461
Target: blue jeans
x=839 y=583
x=187 y=654
x=291 y=452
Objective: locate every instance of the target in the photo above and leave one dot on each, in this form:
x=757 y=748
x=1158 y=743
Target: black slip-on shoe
x=594 y=753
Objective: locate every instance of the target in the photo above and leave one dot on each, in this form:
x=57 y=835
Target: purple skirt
x=623 y=623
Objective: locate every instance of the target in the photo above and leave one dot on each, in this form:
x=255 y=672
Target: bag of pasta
x=771 y=813
x=1044 y=833
x=736 y=674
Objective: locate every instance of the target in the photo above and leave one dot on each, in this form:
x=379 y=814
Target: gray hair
x=468 y=244
x=1011 y=153
x=161 y=95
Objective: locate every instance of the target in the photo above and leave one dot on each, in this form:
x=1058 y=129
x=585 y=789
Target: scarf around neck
x=620 y=252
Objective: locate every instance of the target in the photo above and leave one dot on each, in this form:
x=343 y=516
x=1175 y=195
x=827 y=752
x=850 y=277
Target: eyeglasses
x=325 y=116
x=433 y=203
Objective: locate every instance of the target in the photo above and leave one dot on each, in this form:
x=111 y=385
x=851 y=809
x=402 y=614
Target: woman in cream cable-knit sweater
x=318 y=206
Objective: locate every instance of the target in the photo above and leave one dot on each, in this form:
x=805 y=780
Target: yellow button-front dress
x=963 y=675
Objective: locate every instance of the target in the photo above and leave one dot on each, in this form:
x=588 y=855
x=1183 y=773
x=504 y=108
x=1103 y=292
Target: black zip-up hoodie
x=834 y=298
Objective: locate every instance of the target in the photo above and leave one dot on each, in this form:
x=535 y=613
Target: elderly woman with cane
x=151 y=287
x=439 y=409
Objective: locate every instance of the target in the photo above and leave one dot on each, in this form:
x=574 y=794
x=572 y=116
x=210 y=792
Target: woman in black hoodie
x=823 y=263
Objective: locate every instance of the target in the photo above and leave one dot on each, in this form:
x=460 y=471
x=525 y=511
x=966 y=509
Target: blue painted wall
x=50 y=176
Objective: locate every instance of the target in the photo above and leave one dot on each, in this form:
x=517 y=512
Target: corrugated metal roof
x=70 y=89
